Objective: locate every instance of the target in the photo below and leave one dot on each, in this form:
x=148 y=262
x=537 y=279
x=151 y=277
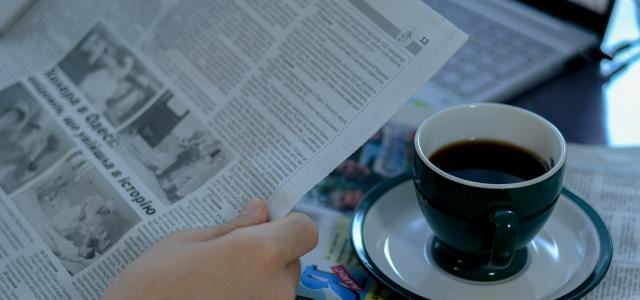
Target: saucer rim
x=357 y=241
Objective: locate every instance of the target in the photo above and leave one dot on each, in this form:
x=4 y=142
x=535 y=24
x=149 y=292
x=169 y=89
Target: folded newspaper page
x=123 y=121
x=608 y=179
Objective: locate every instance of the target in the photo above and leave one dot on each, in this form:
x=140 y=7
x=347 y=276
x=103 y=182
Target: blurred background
x=599 y=102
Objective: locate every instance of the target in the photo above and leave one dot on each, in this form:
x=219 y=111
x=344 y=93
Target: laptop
x=513 y=46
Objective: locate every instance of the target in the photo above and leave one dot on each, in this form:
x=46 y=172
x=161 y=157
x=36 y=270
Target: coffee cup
x=487 y=177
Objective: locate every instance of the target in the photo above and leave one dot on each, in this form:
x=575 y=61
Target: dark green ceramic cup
x=482 y=229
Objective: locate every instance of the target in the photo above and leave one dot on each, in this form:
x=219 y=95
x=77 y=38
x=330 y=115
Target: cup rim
x=559 y=165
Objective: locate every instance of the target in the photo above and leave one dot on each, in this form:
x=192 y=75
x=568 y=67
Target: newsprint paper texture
x=122 y=121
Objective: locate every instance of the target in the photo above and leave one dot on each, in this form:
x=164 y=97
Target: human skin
x=246 y=258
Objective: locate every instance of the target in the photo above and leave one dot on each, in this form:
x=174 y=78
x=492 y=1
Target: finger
x=293 y=271
x=255 y=212
x=293 y=235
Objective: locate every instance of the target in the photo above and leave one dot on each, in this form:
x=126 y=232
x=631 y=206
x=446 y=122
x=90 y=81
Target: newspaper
x=331 y=270
x=607 y=178
x=123 y=121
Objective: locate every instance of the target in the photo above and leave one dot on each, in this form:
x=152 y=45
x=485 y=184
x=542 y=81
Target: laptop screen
x=590 y=14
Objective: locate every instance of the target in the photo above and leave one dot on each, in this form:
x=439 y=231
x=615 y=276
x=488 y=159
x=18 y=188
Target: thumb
x=255 y=212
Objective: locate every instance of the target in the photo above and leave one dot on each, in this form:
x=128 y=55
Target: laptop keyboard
x=493 y=51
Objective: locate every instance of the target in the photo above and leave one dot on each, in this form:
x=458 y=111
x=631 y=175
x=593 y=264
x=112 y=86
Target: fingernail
x=252 y=207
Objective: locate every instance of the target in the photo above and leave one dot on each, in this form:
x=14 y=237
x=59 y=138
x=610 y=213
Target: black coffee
x=488 y=161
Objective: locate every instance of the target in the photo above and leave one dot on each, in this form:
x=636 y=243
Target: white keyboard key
x=476 y=84
x=448 y=79
x=509 y=66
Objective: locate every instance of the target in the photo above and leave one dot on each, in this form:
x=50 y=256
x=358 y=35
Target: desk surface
x=586 y=107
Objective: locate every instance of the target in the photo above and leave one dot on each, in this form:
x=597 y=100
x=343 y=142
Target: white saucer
x=567 y=259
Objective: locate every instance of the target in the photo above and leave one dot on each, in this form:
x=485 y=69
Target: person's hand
x=247 y=258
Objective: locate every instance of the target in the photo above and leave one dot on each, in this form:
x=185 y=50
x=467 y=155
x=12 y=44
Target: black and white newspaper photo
x=171 y=150
x=76 y=212
x=110 y=76
x=30 y=140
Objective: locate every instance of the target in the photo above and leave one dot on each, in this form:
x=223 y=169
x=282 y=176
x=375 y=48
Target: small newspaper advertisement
x=331 y=270
x=124 y=121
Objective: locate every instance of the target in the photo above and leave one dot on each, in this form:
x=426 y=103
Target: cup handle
x=505 y=230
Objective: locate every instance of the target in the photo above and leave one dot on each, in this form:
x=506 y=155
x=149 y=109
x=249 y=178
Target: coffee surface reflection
x=488 y=161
